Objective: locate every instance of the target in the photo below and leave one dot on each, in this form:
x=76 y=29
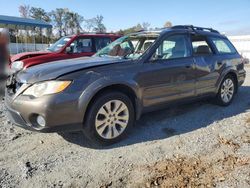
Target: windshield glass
x=59 y=44
x=130 y=47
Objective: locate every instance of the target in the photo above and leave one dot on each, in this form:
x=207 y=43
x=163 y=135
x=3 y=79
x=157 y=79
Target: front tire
x=227 y=91
x=109 y=118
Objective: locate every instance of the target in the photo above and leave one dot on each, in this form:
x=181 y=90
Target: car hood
x=56 y=69
x=22 y=56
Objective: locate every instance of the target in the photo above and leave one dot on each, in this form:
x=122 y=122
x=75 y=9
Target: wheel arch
x=126 y=89
x=231 y=72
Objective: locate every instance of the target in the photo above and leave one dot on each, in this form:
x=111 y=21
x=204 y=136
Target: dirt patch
x=192 y=172
x=229 y=143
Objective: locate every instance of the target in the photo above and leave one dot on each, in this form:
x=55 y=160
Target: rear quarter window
x=223 y=46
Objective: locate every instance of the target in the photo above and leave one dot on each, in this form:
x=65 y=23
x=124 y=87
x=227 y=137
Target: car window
x=172 y=47
x=58 y=45
x=223 y=45
x=147 y=44
x=100 y=43
x=129 y=47
x=81 y=45
x=200 y=45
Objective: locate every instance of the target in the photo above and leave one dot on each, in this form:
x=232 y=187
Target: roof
x=18 y=21
x=191 y=28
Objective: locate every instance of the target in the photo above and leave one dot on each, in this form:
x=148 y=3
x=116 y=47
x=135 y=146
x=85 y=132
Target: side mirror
x=68 y=50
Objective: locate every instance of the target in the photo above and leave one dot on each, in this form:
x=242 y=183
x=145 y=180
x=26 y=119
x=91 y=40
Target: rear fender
x=226 y=71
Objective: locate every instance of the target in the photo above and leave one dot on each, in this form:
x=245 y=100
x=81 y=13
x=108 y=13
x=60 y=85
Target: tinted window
x=200 y=45
x=175 y=46
x=100 y=43
x=81 y=45
x=223 y=45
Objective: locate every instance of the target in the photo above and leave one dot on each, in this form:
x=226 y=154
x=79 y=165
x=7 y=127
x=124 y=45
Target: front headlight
x=46 y=88
x=17 y=66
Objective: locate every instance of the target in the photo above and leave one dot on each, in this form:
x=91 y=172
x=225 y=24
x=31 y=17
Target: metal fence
x=19 y=48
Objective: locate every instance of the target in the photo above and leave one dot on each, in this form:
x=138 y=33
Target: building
x=242 y=43
x=16 y=24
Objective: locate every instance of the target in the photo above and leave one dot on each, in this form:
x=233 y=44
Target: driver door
x=170 y=73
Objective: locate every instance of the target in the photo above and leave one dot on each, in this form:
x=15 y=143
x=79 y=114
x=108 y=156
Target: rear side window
x=223 y=46
x=200 y=45
x=100 y=43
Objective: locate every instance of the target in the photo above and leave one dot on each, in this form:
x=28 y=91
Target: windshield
x=59 y=44
x=130 y=47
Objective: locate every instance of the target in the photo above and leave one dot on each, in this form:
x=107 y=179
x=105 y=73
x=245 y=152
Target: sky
x=231 y=17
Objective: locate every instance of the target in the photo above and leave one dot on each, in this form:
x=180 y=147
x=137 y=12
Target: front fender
x=92 y=89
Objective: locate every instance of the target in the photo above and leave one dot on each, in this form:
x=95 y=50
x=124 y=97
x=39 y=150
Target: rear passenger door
x=205 y=64
x=169 y=75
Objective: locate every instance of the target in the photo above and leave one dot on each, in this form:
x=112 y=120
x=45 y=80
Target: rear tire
x=227 y=91
x=109 y=118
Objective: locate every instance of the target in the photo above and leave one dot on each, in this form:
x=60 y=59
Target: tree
x=58 y=19
x=145 y=25
x=24 y=11
x=137 y=28
x=168 y=24
x=89 y=24
x=39 y=14
x=66 y=22
x=95 y=24
x=78 y=19
x=73 y=22
x=98 y=25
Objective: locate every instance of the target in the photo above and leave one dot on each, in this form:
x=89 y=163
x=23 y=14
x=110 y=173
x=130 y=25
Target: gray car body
x=150 y=85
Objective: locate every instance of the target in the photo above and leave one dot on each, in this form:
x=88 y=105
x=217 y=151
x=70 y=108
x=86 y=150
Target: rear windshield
x=224 y=46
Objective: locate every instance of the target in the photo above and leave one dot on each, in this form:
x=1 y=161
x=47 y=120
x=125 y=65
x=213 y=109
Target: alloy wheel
x=227 y=90
x=112 y=119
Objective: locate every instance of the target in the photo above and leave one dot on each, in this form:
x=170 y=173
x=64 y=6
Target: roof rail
x=194 y=28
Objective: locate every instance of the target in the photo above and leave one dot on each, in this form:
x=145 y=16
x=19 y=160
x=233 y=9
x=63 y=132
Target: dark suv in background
x=69 y=47
x=138 y=73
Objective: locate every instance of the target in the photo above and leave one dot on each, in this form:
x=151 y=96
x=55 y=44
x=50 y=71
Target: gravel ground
x=195 y=145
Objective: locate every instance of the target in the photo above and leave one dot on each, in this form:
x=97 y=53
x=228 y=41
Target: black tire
x=90 y=127
x=219 y=99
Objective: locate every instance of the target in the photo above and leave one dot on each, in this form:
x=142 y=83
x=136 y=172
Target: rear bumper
x=22 y=112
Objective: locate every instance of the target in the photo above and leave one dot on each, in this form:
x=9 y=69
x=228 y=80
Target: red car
x=68 y=47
